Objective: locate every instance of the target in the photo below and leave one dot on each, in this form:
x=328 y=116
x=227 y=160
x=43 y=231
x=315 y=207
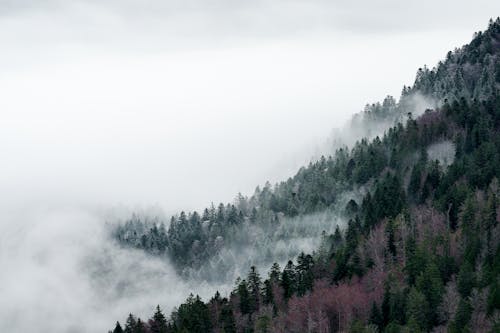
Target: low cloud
x=61 y=273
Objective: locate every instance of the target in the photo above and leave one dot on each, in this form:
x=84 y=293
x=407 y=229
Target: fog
x=183 y=103
x=61 y=273
x=262 y=244
x=112 y=106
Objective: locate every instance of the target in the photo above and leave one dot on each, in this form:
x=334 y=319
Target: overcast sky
x=179 y=103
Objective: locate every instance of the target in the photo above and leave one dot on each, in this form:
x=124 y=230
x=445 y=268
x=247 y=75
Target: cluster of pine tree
x=421 y=251
x=193 y=238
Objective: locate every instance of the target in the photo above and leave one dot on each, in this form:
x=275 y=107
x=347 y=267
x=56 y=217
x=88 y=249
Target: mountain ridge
x=419 y=246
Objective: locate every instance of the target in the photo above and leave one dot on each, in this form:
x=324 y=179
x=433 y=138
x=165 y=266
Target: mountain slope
x=420 y=250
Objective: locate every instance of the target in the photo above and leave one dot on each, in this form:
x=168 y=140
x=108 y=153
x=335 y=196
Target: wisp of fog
x=59 y=267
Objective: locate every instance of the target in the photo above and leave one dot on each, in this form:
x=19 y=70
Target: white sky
x=180 y=103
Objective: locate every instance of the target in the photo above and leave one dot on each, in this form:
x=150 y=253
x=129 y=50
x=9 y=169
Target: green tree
x=139 y=326
x=130 y=324
x=415 y=260
x=227 y=319
x=415 y=181
x=263 y=324
x=429 y=282
x=254 y=289
x=466 y=279
x=390 y=229
x=376 y=317
x=418 y=309
x=464 y=312
x=244 y=296
x=288 y=280
x=304 y=274
x=159 y=322
x=118 y=328
x=193 y=316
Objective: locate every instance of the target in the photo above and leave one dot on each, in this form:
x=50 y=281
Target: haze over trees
x=419 y=250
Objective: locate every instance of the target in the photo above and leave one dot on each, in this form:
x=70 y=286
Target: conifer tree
x=159 y=322
x=254 y=289
x=288 y=280
x=118 y=328
x=130 y=324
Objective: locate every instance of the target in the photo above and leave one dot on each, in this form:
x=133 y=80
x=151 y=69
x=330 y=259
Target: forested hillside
x=419 y=250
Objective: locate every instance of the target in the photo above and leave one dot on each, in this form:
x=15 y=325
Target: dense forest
x=420 y=248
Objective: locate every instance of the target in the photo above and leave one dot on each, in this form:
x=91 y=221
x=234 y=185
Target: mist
x=167 y=105
x=58 y=267
x=112 y=107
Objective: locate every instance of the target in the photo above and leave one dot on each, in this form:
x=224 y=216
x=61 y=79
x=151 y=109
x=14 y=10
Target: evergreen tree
x=288 y=280
x=391 y=242
x=244 y=295
x=118 y=328
x=463 y=314
x=275 y=272
x=263 y=324
x=466 y=279
x=418 y=309
x=139 y=326
x=254 y=289
x=376 y=317
x=386 y=306
x=159 y=322
x=131 y=324
x=429 y=282
x=193 y=316
x=304 y=273
x=227 y=319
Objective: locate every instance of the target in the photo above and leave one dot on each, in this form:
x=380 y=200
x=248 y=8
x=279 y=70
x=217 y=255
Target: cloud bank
x=61 y=273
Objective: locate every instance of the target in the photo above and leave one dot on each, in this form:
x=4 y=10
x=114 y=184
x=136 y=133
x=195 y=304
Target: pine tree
x=139 y=326
x=418 y=309
x=386 y=305
x=131 y=324
x=304 y=273
x=415 y=180
x=245 y=306
x=263 y=324
x=429 y=282
x=466 y=279
x=254 y=289
x=391 y=242
x=463 y=314
x=118 y=328
x=227 y=319
x=288 y=280
x=376 y=317
x=275 y=272
x=159 y=322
